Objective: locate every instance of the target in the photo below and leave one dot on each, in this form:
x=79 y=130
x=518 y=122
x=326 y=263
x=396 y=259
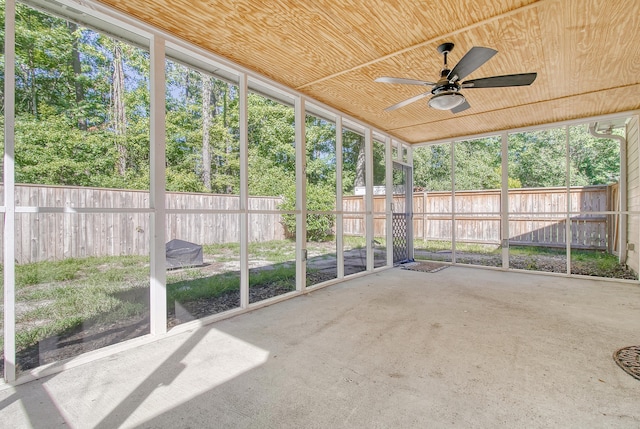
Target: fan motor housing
x=445 y=86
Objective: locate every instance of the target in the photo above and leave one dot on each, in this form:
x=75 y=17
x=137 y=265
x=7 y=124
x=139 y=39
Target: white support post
x=504 y=202
x=453 y=203
x=301 y=195
x=568 y=233
x=388 y=155
x=339 y=202
x=157 y=195
x=368 y=173
x=9 y=194
x=243 y=88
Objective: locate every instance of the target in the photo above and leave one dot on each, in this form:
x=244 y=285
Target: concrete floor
x=462 y=347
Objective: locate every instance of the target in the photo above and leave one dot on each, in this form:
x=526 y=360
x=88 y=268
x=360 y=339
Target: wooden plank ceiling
x=586 y=54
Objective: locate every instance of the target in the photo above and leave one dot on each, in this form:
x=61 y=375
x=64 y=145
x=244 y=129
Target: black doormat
x=425 y=267
x=628 y=359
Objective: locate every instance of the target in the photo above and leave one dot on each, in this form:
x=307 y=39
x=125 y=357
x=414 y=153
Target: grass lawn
x=585 y=262
x=56 y=297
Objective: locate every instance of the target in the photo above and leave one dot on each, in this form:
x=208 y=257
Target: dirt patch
x=203 y=307
x=544 y=263
x=96 y=334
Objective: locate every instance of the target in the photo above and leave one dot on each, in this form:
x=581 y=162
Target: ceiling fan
x=446 y=94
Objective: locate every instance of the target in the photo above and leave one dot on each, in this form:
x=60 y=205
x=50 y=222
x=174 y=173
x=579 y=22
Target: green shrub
x=319 y=198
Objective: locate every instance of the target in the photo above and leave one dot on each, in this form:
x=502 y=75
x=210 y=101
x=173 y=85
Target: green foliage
x=185 y=131
x=319 y=198
x=183 y=181
x=594 y=161
x=536 y=159
x=513 y=183
x=432 y=167
x=321 y=151
x=52 y=151
x=477 y=164
x=272 y=167
x=269 y=179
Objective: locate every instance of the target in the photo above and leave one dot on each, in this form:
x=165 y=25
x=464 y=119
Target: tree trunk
x=118 y=112
x=360 y=165
x=30 y=73
x=77 y=72
x=229 y=149
x=206 y=126
x=186 y=89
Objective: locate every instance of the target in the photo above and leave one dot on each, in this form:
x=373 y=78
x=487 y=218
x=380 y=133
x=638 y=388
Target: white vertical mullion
x=504 y=201
x=388 y=155
x=157 y=195
x=409 y=194
x=339 y=202
x=623 y=194
x=637 y=143
x=9 y=194
x=243 y=88
x=567 y=179
x=453 y=203
x=368 y=173
x=301 y=194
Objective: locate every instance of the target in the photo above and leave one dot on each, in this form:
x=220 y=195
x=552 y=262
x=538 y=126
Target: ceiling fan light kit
x=446 y=100
x=446 y=91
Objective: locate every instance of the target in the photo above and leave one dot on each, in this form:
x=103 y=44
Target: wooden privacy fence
x=537 y=216
x=45 y=236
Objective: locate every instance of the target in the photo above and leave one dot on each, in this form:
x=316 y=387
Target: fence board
x=54 y=236
x=538 y=216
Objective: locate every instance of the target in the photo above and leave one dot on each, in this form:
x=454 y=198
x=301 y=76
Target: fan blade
x=473 y=59
x=460 y=108
x=402 y=81
x=501 y=81
x=408 y=101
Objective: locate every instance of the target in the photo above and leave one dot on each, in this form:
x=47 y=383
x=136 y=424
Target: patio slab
x=462 y=347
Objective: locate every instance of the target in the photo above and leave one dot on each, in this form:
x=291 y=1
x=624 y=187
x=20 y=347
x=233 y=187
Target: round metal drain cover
x=628 y=358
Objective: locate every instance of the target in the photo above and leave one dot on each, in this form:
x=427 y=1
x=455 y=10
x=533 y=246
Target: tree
x=537 y=158
x=77 y=73
x=321 y=151
x=118 y=114
x=206 y=127
x=477 y=164
x=272 y=160
x=353 y=161
x=43 y=44
x=432 y=167
x=594 y=161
